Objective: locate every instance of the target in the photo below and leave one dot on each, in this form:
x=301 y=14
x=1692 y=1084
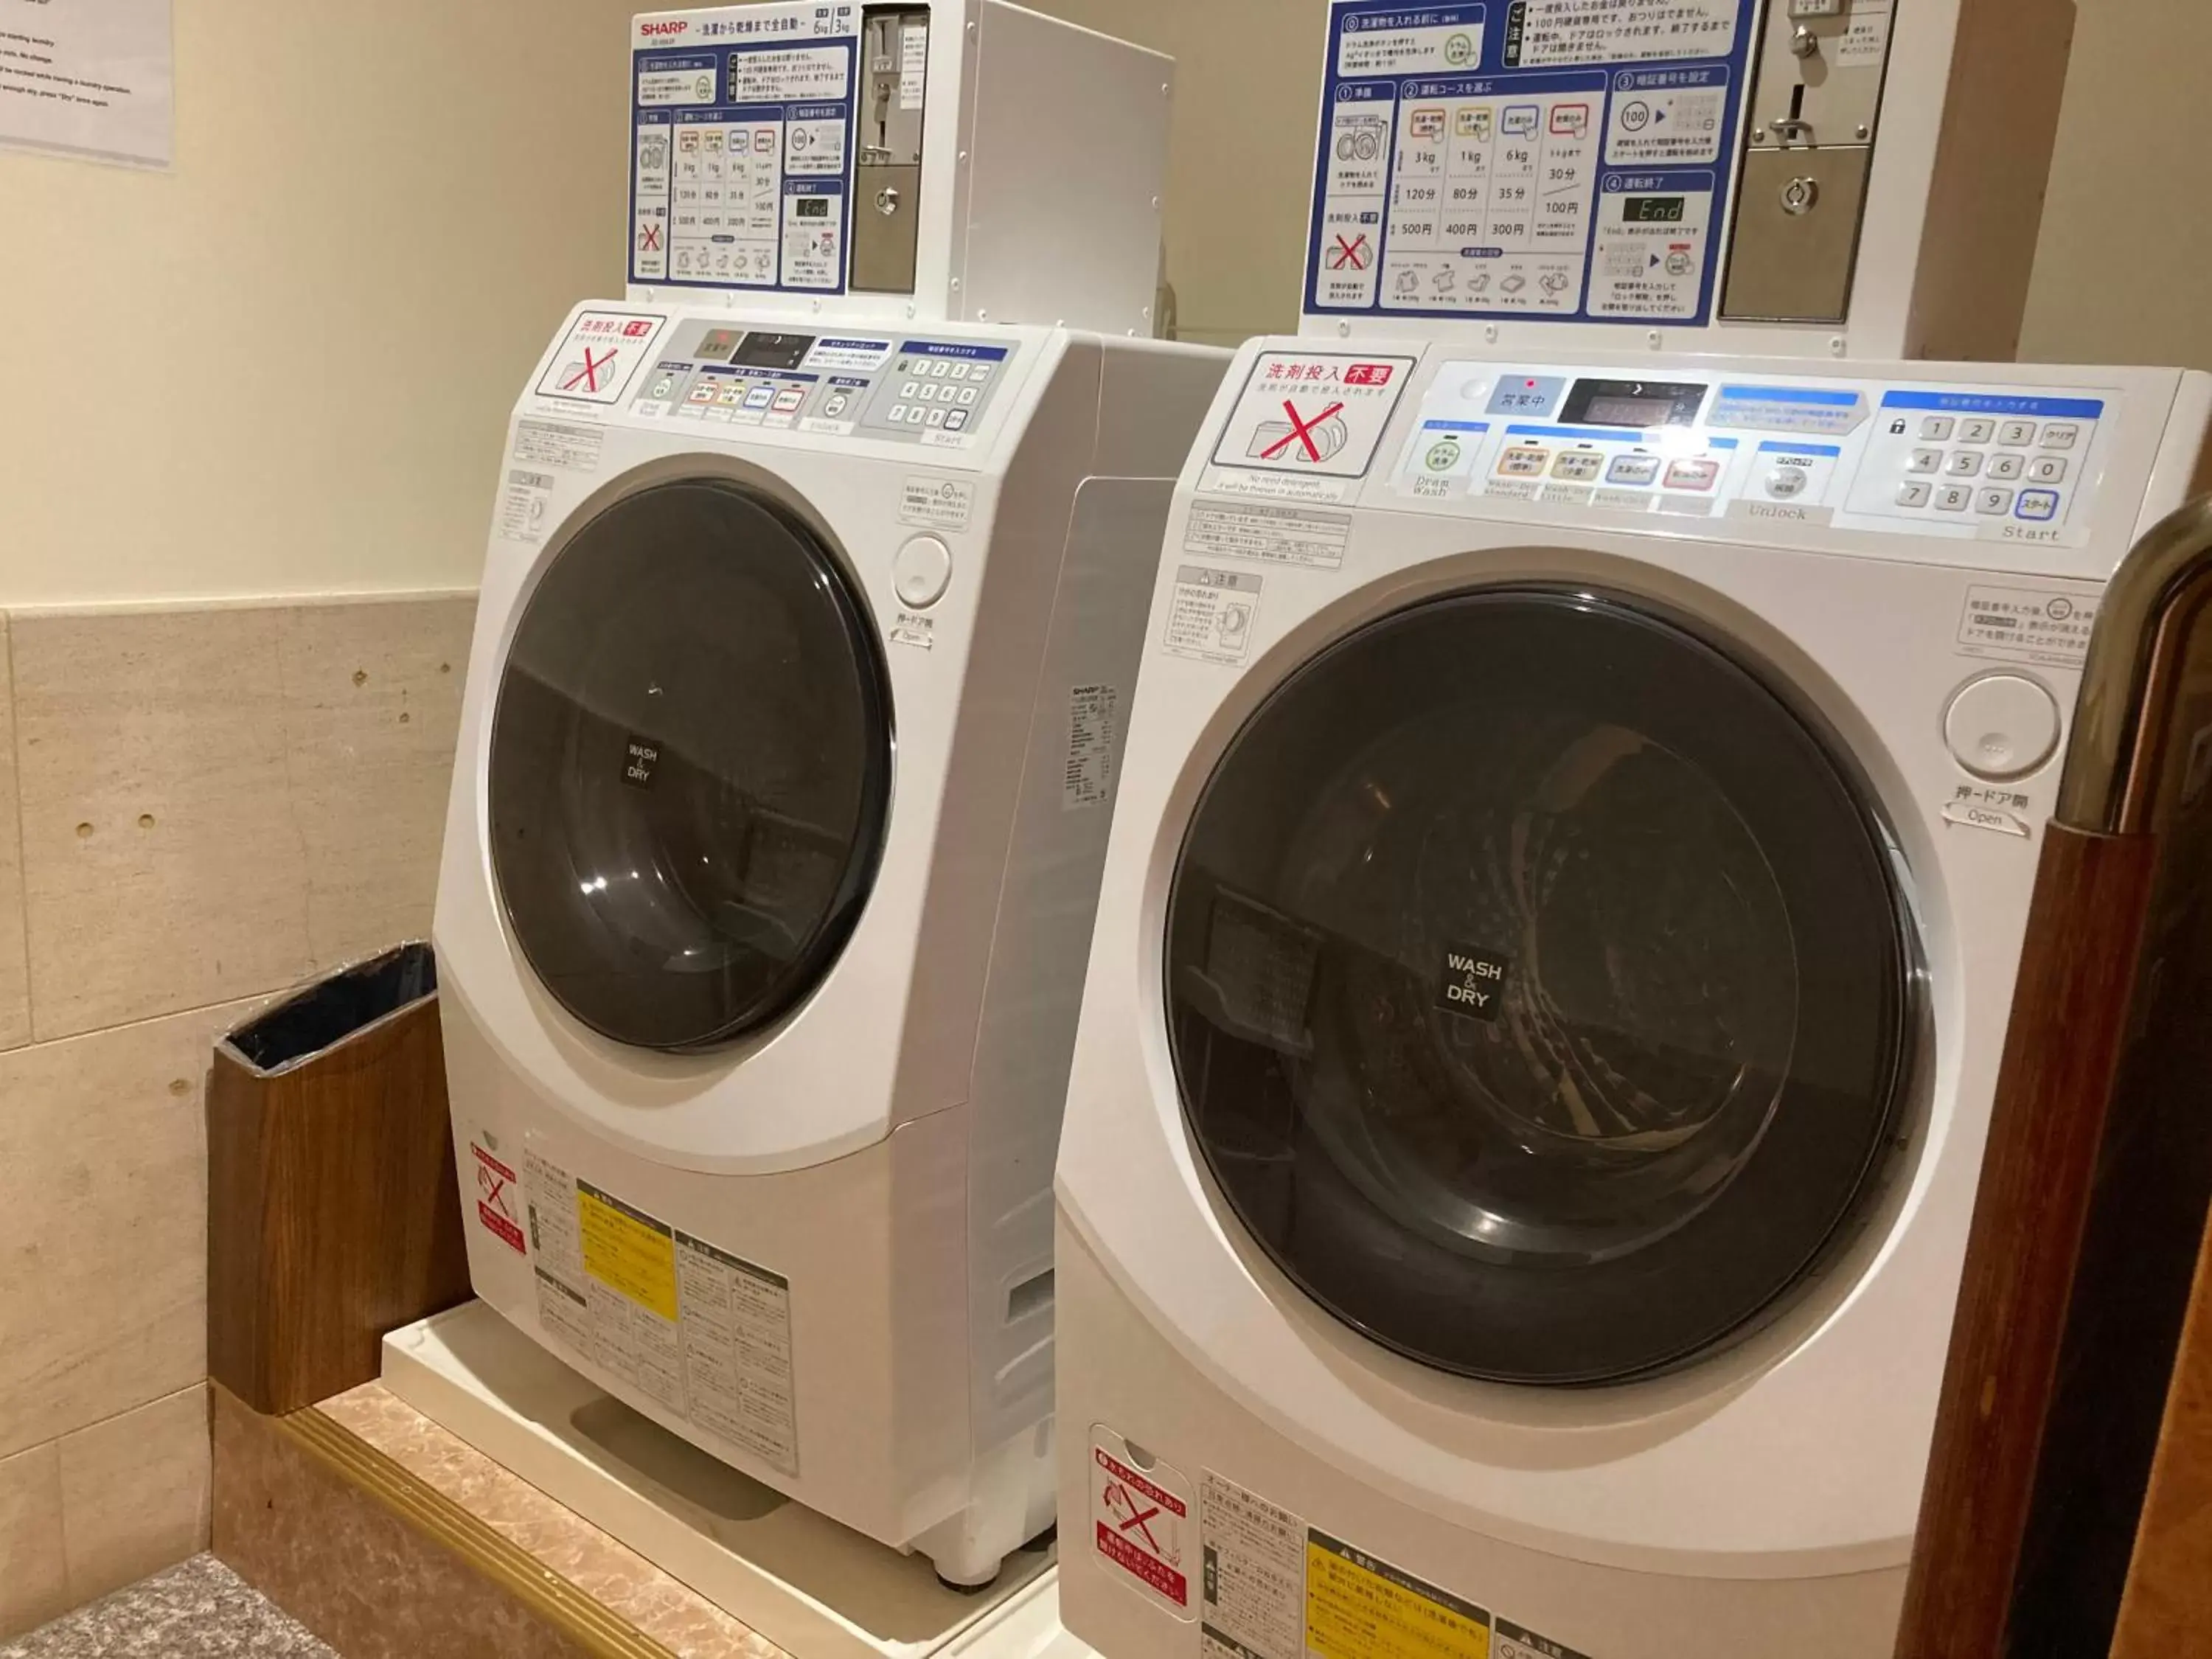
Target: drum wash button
x=2002 y=725
x=922 y=571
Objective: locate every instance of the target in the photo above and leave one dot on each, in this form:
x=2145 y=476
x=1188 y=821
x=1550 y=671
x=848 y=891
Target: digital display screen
x=1642 y=404
x=818 y=207
x=773 y=350
x=1652 y=210
x=1629 y=411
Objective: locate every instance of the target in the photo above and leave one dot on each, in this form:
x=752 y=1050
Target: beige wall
x=2124 y=274
x=285 y=367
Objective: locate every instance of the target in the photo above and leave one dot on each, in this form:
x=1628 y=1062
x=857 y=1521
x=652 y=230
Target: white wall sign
x=92 y=78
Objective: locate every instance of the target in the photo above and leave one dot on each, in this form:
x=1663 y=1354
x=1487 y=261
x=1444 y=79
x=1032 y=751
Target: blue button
x=2039 y=505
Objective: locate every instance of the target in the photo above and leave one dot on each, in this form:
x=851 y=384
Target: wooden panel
x=2167 y=1609
x=335 y=1215
x=2135 y=1266
x=2053 y=1091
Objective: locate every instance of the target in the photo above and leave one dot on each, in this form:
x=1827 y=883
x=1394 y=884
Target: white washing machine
x=788 y=750
x=1556 y=946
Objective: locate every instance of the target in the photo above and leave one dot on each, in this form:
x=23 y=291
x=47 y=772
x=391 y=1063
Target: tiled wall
x=198 y=806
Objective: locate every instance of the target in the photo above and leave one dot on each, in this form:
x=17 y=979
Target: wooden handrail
x=2082 y=1242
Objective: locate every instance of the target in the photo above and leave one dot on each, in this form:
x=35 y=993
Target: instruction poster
x=88 y=77
x=742 y=141
x=1565 y=159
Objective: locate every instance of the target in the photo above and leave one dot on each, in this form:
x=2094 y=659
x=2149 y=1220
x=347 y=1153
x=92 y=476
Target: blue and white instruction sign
x=742 y=142
x=1567 y=159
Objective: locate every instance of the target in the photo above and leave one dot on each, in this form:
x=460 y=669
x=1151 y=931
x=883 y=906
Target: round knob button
x=2002 y=725
x=920 y=572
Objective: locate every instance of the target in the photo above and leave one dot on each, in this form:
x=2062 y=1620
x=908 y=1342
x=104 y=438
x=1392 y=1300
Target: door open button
x=920 y=572
x=2003 y=725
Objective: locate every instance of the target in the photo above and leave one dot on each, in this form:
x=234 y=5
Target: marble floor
x=199 y=1609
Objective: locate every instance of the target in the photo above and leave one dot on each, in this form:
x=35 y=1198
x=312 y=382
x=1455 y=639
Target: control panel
x=1964 y=453
x=2019 y=464
x=2012 y=465
x=890 y=386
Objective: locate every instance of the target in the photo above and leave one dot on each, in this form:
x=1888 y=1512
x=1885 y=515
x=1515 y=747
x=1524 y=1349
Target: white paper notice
x=91 y=76
x=913 y=64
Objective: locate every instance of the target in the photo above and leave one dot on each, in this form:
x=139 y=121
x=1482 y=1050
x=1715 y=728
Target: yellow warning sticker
x=1360 y=1607
x=627 y=1250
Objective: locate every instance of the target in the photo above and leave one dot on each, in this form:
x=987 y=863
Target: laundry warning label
x=499 y=1201
x=1269 y=535
x=1510 y=1641
x=1313 y=417
x=1139 y=1518
x=703 y=1333
x=602 y=350
x=1274 y=1588
x=1253 y=1575
x=1212 y=613
x=1359 y=1606
x=627 y=1250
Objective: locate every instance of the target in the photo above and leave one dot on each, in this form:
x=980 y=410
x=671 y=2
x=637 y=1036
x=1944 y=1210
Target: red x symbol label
x=1301 y=432
x=495 y=1191
x=1349 y=255
x=1137 y=1521
x=648 y=239
x=587 y=377
x=1117 y=1497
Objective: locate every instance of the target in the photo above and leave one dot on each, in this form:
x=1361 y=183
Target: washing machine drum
x=690 y=766
x=1540 y=986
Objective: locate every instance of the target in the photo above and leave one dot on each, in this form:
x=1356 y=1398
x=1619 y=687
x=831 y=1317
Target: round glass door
x=690 y=766
x=1538 y=986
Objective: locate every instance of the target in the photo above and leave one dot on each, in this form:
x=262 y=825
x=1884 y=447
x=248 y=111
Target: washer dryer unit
x=1556 y=945
x=787 y=761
